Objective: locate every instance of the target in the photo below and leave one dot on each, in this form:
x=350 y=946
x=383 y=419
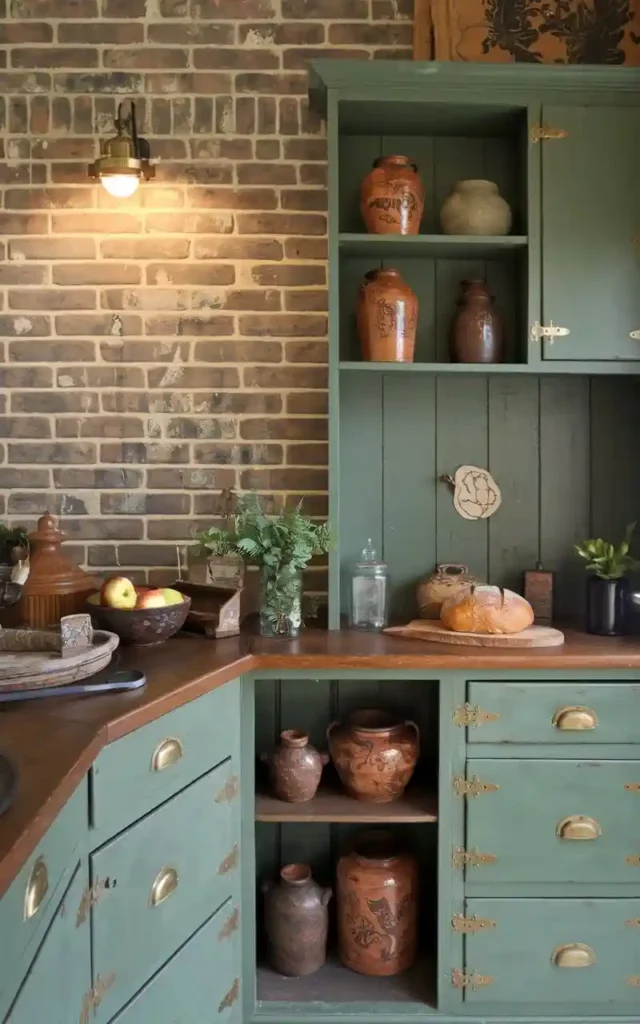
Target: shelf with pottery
x=417 y=804
x=437 y=245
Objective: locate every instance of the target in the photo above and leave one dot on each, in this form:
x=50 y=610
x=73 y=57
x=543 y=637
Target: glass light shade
x=120 y=186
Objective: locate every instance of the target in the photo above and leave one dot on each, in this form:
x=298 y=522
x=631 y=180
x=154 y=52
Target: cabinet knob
x=166 y=753
x=37 y=887
x=576 y=826
x=574 y=954
x=575 y=719
x=165 y=882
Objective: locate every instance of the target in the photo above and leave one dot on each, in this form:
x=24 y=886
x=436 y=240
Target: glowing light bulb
x=120 y=186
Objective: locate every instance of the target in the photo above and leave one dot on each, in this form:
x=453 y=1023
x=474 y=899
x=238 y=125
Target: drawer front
x=555 y=951
x=142 y=770
x=59 y=979
x=555 y=821
x=200 y=984
x=556 y=712
x=162 y=879
x=27 y=906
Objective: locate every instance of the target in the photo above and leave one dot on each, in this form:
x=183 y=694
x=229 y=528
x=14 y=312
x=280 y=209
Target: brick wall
x=158 y=349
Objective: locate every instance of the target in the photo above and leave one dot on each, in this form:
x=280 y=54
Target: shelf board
x=335 y=984
x=490 y=368
x=440 y=246
x=417 y=805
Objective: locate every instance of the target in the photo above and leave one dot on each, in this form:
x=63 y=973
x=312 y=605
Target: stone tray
x=32 y=658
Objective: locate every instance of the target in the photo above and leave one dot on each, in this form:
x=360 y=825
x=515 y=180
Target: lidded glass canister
x=368 y=598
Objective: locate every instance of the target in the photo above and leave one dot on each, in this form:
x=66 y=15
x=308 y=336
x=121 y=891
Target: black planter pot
x=607 y=602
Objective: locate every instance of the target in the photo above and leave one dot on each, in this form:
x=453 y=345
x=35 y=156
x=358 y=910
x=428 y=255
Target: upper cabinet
x=591 y=232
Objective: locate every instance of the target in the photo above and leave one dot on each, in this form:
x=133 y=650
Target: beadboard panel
x=559 y=447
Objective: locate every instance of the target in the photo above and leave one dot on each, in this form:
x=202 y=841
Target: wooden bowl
x=141 y=627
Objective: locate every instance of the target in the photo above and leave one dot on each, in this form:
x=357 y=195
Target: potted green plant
x=281 y=546
x=607 y=583
x=216 y=561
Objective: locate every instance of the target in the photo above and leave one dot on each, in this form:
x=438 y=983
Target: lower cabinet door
x=200 y=984
x=57 y=988
x=553 y=951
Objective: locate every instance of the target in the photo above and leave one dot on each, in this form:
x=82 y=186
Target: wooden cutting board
x=534 y=636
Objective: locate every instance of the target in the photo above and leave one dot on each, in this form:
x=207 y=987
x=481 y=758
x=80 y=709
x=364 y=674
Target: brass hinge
x=544 y=133
x=470 y=925
x=471 y=858
x=634 y=861
x=472 y=787
x=230 y=925
x=92 y=999
x=230 y=861
x=90 y=897
x=229 y=791
x=633 y=922
x=634 y=980
x=635 y=335
x=460 y=979
x=632 y=787
x=468 y=715
x=550 y=332
x=231 y=996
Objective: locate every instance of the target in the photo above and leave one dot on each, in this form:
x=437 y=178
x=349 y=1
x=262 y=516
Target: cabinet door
x=58 y=984
x=591 y=232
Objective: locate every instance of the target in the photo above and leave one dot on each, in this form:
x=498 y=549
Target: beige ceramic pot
x=447 y=581
x=475 y=207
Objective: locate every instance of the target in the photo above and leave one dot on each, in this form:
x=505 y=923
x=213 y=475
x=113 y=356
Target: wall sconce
x=124 y=159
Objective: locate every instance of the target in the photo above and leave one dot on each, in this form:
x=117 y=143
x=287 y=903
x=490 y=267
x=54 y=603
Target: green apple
x=172 y=596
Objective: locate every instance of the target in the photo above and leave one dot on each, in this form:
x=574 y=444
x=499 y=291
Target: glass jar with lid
x=368 y=596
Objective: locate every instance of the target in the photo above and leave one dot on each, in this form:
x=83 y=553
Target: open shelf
x=488 y=368
x=329 y=805
x=335 y=984
x=439 y=246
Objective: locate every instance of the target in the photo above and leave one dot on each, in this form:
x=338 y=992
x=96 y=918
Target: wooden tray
x=29 y=669
x=534 y=636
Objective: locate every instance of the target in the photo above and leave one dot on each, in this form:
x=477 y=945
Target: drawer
x=27 y=906
x=135 y=774
x=59 y=979
x=555 y=821
x=161 y=879
x=555 y=951
x=200 y=983
x=556 y=712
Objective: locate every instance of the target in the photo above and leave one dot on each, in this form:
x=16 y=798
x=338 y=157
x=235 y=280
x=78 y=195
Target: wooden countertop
x=53 y=743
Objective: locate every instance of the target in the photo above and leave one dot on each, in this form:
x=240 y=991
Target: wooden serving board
x=534 y=636
x=28 y=670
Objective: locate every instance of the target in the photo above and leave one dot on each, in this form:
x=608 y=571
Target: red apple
x=151 y=599
x=118 y=592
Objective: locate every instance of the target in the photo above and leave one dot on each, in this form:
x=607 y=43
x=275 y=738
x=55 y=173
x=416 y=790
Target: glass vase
x=280 y=602
x=607 y=606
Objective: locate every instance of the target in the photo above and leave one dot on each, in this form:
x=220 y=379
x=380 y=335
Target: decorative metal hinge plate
x=550 y=331
x=632 y=787
x=470 y=925
x=635 y=335
x=461 y=858
x=468 y=715
x=472 y=787
x=92 y=999
x=230 y=861
x=634 y=981
x=229 y=791
x=231 y=997
x=634 y=861
x=633 y=922
x=545 y=132
x=460 y=979
x=91 y=896
x=230 y=926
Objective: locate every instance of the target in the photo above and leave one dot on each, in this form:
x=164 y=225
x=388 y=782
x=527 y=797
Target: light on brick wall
x=124 y=159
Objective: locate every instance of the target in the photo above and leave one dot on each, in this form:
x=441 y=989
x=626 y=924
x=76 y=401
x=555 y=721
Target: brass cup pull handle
x=165 y=883
x=574 y=954
x=167 y=752
x=575 y=719
x=37 y=888
x=577 y=826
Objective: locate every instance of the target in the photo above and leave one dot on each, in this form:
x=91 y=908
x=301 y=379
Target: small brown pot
x=447 y=581
x=295 y=768
x=392 y=197
x=387 y=317
x=374 y=755
x=377 y=898
x=477 y=334
x=296 y=922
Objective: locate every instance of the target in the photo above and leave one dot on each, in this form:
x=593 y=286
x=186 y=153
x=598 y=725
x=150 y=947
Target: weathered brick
x=118 y=82
x=289 y=274
x=20 y=326
x=108 y=479
x=314 y=403
x=294 y=33
x=283 y=428
x=197 y=326
x=193 y=34
x=24 y=426
x=308 y=455
x=24 y=81
x=281 y=223
x=54 y=57
x=264 y=174
x=144 y=248
x=25 y=377
x=305 y=248
x=190 y=223
x=123 y=8
x=316 y=299
x=285 y=377
x=225 y=9
x=54 y=9
x=26 y=32
x=144 y=352
x=167 y=274
x=65 y=454
x=306 y=352
x=305 y=149
x=24 y=223
x=114 y=324
x=52 y=249
x=52 y=351
x=103 y=529
x=131 y=452
x=11 y=479
x=313 y=174
x=175 y=529
x=97 y=223
x=54 y=401
x=27 y=503
x=191 y=479
x=298 y=58
x=233 y=199
x=17 y=273
x=146 y=58
x=174 y=8
x=284 y=325
x=121 y=32
x=206 y=83
x=238 y=454
x=110 y=426
x=53 y=299
x=238 y=351
x=283 y=480
x=140 y=504
x=397 y=34
x=201 y=427
x=193 y=377
x=267 y=149
x=281 y=83
x=93 y=273
x=237 y=249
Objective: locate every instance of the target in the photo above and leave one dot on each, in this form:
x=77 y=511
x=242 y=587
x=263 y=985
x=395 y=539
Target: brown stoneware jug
x=447 y=581
x=374 y=754
x=295 y=768
x=377 y=900
x=477 y=334
x=296 y=922
x=392 y=197
x=387 y=317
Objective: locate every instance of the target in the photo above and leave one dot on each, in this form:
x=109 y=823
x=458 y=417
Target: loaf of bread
x=486 y=610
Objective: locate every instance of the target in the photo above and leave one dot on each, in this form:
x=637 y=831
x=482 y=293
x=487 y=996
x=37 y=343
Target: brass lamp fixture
x=124 y=159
